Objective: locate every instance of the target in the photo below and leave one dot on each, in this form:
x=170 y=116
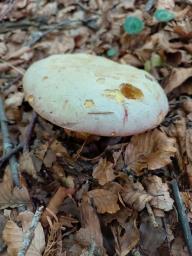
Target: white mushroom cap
x=92 y=94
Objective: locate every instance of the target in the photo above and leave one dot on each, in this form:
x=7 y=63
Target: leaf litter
x=102 y=196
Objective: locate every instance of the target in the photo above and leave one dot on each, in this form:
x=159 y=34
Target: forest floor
x=102 y=195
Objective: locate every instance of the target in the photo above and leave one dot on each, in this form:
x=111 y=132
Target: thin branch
x=10 y=154
x=28 y=236
x=24 y=145
x=182 y=216
x=7 y=145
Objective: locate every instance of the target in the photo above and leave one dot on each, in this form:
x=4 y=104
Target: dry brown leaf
x=160 y=191
x=104 y=200
x=178 y=247
x=135 y=196
x=30 y=164
x=151 y=150
x=54 y=204
x=130 y=238
x=12 y=196
x=152 y=237
x=91 y=230
x=177 y=77
x=13 y=236
x=103 y=172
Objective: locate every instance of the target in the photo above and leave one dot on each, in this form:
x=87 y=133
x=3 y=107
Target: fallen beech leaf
x=126 y=237
x=160 y=191
x=91 y=230
x=177 y=77
x=12 y=196
x=13 y=236
x=104 y=200
x=178 y=247
x=150 y=150
x=135 y=196
x=152 y=237
x=104 y=172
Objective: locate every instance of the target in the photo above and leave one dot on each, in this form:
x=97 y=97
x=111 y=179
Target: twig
x=24 y=145
x=182 y=216
x=7 y=145
x=149 y=5
x=28 y=236
x=10 y=154
x=29 y=132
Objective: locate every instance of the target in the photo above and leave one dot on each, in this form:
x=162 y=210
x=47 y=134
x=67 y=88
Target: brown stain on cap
x=131 y=92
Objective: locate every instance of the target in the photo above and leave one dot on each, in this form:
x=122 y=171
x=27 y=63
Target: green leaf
x=163 y=15
x=133 y=25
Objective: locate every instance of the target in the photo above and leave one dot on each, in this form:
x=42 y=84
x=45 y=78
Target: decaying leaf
x=160 y=191
x=54 y=204
x=13 y=236
x=104 y=172
x=135 y=196
x=178 y=247
x=177 y=77
x=104 y=200
x=30 y=164
x=130 y=238
x=151 y=150
x=151 y=237
x=91 y=230
x=12 y=196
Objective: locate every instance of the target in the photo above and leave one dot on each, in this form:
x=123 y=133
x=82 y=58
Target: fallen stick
x=28 y=236
x=182 y=216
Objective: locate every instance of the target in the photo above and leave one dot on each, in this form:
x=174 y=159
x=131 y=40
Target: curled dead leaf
x=151 y=150
x=135 y=196
x=160 y=191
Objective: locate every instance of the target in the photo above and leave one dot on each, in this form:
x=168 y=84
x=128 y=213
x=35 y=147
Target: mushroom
x=95 y=95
